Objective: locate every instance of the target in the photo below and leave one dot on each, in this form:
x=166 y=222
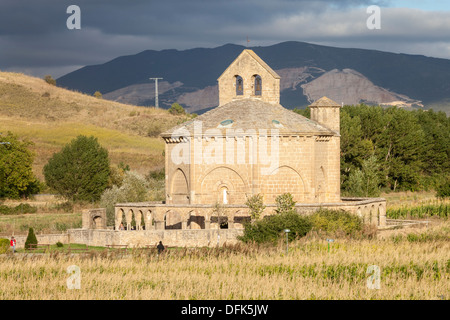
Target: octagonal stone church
x=248 y=145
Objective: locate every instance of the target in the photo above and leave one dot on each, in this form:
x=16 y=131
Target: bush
x=336 y=222
x=49 y=79
x=256 y=206
x=285 y=203
x=175 y=108
x=31 y=238
x=4 y=245
x=80 y=171
x=59 y=244
x=154 y=129
x=21 y=208
x=98 y=95
x=271 y=228
x=64 y=206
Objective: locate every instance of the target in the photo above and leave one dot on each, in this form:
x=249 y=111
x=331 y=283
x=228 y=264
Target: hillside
x=51 y=116
x=306 y=70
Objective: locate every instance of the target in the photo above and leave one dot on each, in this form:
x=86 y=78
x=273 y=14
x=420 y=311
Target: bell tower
x=249 y=77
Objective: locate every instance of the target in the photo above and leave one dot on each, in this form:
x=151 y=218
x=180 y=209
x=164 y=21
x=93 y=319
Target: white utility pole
x=156 y=91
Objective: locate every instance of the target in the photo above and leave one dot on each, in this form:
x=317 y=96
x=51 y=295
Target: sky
x=35 y=38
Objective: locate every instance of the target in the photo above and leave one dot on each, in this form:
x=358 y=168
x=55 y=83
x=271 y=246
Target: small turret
x=326 y=112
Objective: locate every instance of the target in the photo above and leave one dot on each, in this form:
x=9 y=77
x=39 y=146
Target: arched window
x=224 y=194
x=258 y=85
x=239 y=86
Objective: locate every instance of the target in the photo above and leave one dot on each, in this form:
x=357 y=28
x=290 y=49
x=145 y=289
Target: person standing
x=13 y=244
x=160 y=247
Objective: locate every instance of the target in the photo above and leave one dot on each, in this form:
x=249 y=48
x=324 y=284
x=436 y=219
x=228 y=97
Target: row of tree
x=392 y=149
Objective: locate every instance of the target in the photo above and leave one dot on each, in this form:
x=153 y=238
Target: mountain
x=307 y=72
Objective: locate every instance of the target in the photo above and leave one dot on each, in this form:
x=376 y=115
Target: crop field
x=408 y=268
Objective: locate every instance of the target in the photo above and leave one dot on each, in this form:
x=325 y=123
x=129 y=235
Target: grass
x=408 y=270
x=64 y=249
x=40 y=222
x=414 y=264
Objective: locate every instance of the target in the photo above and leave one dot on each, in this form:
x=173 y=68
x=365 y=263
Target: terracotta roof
x=255 y=114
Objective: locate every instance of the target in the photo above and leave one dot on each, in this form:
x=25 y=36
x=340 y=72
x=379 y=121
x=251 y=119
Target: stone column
x=159 y=224
x=231 y=221
x=382 y=213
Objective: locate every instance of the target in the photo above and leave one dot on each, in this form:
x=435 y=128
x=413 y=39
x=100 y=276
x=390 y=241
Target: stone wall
x=142 y=238
x=42 y=239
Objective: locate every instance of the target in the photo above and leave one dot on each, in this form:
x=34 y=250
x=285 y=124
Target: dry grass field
x=413 y=264
x=407 y=270
x=50 y=117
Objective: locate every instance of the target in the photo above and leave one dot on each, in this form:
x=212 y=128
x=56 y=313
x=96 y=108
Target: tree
x=16 y=174
x=98 y=95
x=175 y=108
x=133 y=188
x=256 y=206
x=443 y=190
x=365 y=182
x=285 y=203
x=80 y=171
x=49 y=79
x=31 y=239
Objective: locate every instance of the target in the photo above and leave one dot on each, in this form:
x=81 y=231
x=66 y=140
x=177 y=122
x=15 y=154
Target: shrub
x=25 y=208
x=64 y=206
x=31 y=238
x=4 y=245
x=271 y=228
x=154 y=129
x=256 y=206
x=49 y=79
x=59 y=244
x=98 y=95
x=21 y=208
x=176 y=108
x=285 y=203
x=336 y=222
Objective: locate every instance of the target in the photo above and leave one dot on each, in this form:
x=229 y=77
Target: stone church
x=248 y=145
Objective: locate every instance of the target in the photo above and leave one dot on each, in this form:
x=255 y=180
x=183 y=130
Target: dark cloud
x=33 y=34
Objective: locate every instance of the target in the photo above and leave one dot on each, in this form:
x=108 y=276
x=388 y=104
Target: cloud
x=33 y=34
